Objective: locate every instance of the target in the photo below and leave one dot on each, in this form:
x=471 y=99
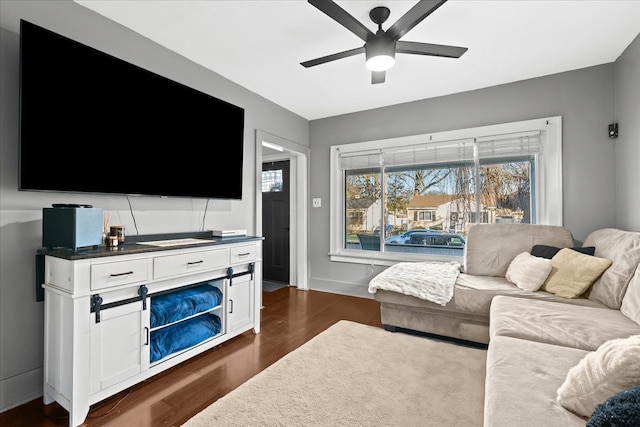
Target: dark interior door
x=275 y=221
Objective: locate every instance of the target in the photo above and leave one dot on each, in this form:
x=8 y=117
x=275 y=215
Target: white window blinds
x=442 y=152
x=429 y=153
x=510 y=145
x=360 y=159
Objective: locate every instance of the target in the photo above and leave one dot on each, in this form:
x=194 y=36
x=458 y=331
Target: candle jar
x=112 y=241
x=118 y=231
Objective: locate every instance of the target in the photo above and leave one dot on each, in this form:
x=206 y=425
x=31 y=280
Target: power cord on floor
x=115 y=405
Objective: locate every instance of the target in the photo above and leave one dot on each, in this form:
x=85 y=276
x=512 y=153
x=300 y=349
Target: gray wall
x=627 y=114
x=584 y=98
x=21 y=317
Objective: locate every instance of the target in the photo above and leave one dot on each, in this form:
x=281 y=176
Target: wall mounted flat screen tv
x=93 y=123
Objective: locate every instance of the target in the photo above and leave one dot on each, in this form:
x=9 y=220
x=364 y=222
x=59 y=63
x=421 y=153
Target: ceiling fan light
x=380 y=62
x=380 y=52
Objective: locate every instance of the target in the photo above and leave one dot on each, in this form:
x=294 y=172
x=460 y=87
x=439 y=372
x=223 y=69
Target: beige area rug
x=359 y=375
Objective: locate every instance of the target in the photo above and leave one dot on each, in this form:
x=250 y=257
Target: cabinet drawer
x=243 y=254
x=118 y=273
x=173 y=265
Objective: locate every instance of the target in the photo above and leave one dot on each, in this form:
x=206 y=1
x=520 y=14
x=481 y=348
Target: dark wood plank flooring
x=289 y=319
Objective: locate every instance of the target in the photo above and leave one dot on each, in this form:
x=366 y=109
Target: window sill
x=387 y=259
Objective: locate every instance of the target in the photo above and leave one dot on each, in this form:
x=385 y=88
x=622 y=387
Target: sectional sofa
x=586 y=301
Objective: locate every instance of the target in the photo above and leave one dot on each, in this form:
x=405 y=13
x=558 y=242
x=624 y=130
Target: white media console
x=98 y=329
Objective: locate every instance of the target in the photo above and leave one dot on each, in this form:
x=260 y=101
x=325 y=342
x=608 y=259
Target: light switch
x=317 y=202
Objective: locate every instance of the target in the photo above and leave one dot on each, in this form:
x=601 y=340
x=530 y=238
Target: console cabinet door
x=240 y=295
x=119 y=344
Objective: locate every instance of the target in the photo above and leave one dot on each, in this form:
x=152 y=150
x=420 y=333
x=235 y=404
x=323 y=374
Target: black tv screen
x=90 y=122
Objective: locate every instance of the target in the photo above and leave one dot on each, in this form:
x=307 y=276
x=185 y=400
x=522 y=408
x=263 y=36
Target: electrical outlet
x=317 y=202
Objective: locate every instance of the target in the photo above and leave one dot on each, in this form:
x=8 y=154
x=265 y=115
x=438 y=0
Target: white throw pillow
x=613 y=367
x=528 y=272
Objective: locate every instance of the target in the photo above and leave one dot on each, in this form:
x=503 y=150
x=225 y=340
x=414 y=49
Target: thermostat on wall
x=228 y=233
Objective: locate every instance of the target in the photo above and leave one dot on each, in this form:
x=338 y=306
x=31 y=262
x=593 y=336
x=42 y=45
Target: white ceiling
x=259 y=44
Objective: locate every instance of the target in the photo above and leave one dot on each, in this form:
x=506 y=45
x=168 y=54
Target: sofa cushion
x=623 y=249
x=631 y=302
x=521 y=382
x=475 y=293
x=472 y=296
x=491 y=247
x=528 y=272
x=558 y=323
x=573 y=272
x=613 y=367
x=545 y=251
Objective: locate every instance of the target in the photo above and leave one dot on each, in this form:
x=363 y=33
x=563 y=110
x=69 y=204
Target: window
x=272 y=180
x=425 y=215
x=437 y=185
x=484 y=217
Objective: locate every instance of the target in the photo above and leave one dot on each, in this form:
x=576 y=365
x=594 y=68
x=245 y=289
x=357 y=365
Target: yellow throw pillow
x=573 y=272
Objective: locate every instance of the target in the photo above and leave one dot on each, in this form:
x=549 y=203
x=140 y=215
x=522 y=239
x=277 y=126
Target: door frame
x=299 y=188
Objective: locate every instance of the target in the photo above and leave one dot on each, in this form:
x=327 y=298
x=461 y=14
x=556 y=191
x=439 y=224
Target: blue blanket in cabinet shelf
x=183 y=335
x=178 y=305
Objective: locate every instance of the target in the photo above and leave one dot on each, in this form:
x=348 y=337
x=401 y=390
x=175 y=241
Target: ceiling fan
x=380 y=48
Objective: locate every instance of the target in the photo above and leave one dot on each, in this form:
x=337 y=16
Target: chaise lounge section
x=489 y=250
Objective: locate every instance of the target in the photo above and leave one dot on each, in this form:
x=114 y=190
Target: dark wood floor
x=289 y=319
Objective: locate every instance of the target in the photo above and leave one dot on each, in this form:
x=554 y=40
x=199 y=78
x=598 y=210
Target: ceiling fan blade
x=332 y=57
x=341 y=16
x=413 y=17
x=430 y=49
x=377 y=77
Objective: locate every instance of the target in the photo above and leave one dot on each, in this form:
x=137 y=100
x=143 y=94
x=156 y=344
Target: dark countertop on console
x=132 y=245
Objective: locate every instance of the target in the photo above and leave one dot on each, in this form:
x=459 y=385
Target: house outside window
x=472 y=217
x=442 y=184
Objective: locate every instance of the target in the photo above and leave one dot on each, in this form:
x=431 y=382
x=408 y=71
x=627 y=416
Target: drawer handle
x=245 y=254
x=195 y=262
x=121 y=274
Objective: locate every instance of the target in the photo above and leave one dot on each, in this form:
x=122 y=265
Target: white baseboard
x=342 y=288
x=19 y=389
